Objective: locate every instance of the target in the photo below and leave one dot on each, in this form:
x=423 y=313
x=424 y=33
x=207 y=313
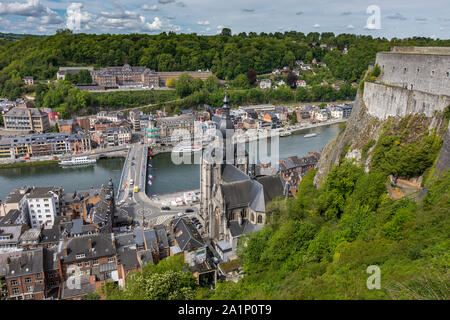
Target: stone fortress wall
x=413 y=80
x=417 y=68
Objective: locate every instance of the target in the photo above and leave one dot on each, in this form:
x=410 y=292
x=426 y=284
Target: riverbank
x=289 y=128
x=27 y=164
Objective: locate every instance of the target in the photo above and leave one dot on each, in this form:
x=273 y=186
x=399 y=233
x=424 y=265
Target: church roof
x=236 y=229
x=232 y=174
x=273 y=187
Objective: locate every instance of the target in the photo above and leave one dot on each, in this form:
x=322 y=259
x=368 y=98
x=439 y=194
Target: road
x=137 y=204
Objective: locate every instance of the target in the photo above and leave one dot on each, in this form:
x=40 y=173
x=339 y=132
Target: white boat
x=183 y=149
x=310 y=135
x=75 y=161
x=284 y=133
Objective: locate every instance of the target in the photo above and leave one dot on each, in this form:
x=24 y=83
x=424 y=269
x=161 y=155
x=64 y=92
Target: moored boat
x=74 y=161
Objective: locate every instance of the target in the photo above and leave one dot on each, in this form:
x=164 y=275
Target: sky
x=379 y=18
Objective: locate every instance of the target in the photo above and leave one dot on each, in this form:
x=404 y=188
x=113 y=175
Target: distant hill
x=16 y=36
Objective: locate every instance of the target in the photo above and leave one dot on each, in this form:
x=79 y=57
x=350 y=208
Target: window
x=95 y=262
x=27 y=280
x=432 y=73
x=30 y=289
x=80 y=256
x=38 y=276
x=448 y=74
x=110 y=259
x=87 y=263
x=14 y=283
x=15 y=291
x=80 y=264
x=259 y=219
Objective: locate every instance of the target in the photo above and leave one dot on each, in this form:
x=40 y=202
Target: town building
x=47 y=144
x=163 y=130
x=265 y=84
x=43 y=205
x=28 y=80
x=126 y=76
x=135 y=119
x=26 y=119
x=61 y=73
x=25 y=276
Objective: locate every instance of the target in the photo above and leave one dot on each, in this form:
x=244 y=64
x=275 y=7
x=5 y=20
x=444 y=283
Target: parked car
x=180 y=214
x=189 y=210
x=165 y=208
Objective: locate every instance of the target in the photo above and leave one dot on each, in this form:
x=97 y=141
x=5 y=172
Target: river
x=168 y=177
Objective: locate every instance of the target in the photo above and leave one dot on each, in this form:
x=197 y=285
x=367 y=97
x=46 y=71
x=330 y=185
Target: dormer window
x=80 y=256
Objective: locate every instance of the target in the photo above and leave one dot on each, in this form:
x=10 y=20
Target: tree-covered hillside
x=226 y=56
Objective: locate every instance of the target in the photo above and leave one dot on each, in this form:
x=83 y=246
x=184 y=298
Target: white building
x=337 y=113
x=43 y=206
x=265 y=84
x=322 y=115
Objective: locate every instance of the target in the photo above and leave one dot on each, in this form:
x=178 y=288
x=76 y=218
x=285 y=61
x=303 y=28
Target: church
x=232 y=198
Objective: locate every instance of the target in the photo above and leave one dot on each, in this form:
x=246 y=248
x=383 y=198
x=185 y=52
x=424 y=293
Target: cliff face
x=368 y=122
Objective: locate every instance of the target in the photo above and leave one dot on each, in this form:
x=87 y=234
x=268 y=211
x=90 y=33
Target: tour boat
x=74 y=161
x=310 y=135
x=183 y=149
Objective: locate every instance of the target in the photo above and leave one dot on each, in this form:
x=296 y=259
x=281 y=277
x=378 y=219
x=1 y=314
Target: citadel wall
x=424 y=69
x=383 y=101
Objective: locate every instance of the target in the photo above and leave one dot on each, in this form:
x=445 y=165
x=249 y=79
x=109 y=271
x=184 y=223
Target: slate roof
x=163 y=241
x=85 y=287
x=146 y=235
x=23 y=112
x=50 y=259
x=15 y=230
x=186 y=234
x=273 y=187
x=237 y=229
x=11 y=217
x=145 y=256
x=127 y=257
x=29 y=262
x=231 y=173
x=101 y=243
x=41 y=192
x=124 y=239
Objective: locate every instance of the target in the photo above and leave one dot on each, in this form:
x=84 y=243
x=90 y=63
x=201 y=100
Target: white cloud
x=165 y=1
x=396 y=16
x=51 y=17
x=203 y=23
x=77 y=18
x=317 y=25
x=148 y=8
x=32 y=8
x=350 y=26
x=154 y=26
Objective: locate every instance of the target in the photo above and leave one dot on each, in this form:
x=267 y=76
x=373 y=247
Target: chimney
x=196 y=236
x=240 y=220
x=66 y=252
x=90 y=243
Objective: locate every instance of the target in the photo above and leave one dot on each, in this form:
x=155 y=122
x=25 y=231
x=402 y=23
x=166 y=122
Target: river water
x=167 y=176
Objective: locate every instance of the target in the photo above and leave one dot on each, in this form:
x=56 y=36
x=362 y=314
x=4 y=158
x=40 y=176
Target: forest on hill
x=227 y=56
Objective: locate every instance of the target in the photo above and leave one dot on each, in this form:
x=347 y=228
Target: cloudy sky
x=398 y=18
